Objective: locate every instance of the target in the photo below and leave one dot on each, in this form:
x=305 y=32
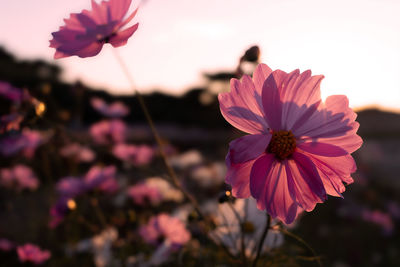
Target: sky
x=355 y=44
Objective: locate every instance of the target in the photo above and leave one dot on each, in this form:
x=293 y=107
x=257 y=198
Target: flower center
x=282 y=144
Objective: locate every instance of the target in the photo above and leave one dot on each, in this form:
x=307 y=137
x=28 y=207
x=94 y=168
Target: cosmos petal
x=248 y=147
x=121 y=38
x=241 y=108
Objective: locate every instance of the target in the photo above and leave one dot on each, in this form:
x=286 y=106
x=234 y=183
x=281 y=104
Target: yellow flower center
x=282 y=144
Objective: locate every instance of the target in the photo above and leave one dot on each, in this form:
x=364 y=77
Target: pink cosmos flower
x=26 y=142
x=85 y=33
x=106 y=132
x=114 y=110
x=78 y=153
x=71 y=187
x=102 y=179
x=142 y=194
x=20 y=177
x=32 y=253
x=166 y=229
x=137 y=155
x=298 y=150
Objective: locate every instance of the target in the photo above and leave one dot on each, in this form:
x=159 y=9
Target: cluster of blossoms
x=69 y=188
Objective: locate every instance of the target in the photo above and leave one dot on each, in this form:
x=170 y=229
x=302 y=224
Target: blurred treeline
x=69 y=103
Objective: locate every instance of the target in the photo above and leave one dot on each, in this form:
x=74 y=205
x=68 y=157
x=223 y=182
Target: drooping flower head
x=85 y=33
x=32 y=253
x=116 y=109
x=298 y=150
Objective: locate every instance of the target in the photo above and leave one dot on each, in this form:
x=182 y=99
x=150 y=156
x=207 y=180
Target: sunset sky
x=354 y=43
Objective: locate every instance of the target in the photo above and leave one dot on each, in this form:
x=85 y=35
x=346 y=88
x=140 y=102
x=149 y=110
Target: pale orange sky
x=354 y=43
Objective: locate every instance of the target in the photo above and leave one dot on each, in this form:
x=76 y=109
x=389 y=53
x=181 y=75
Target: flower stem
x=99 y=213
x=260 y=244
x=157 y=137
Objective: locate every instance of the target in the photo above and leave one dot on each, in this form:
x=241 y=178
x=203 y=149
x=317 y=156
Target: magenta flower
x=85 y=33
x=78 y=153
x=26 y=142
x=102 y=179
x=115 y=110
x=166 y=229
x=71 y=187
x=137 y=155
x=106 y=132
x=142 y=194
x=32 y=253
x=298 y=150
x=20 y=176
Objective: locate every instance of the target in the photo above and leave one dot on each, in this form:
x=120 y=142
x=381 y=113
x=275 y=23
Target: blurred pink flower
x=137 y=155
x=32 y=253
x=106 y=132
x=12 y=93
x=6 y=245
x=20 y=176
x=85 y=33
x=71 y=187
x=26 y=142
x=166 y=228
x=114 y=110
x=102 y=179
x=143 y=194
x=382 y=219
x=78 y=153
x=298 y=150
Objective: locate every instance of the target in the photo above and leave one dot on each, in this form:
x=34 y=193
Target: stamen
x=282 y=144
